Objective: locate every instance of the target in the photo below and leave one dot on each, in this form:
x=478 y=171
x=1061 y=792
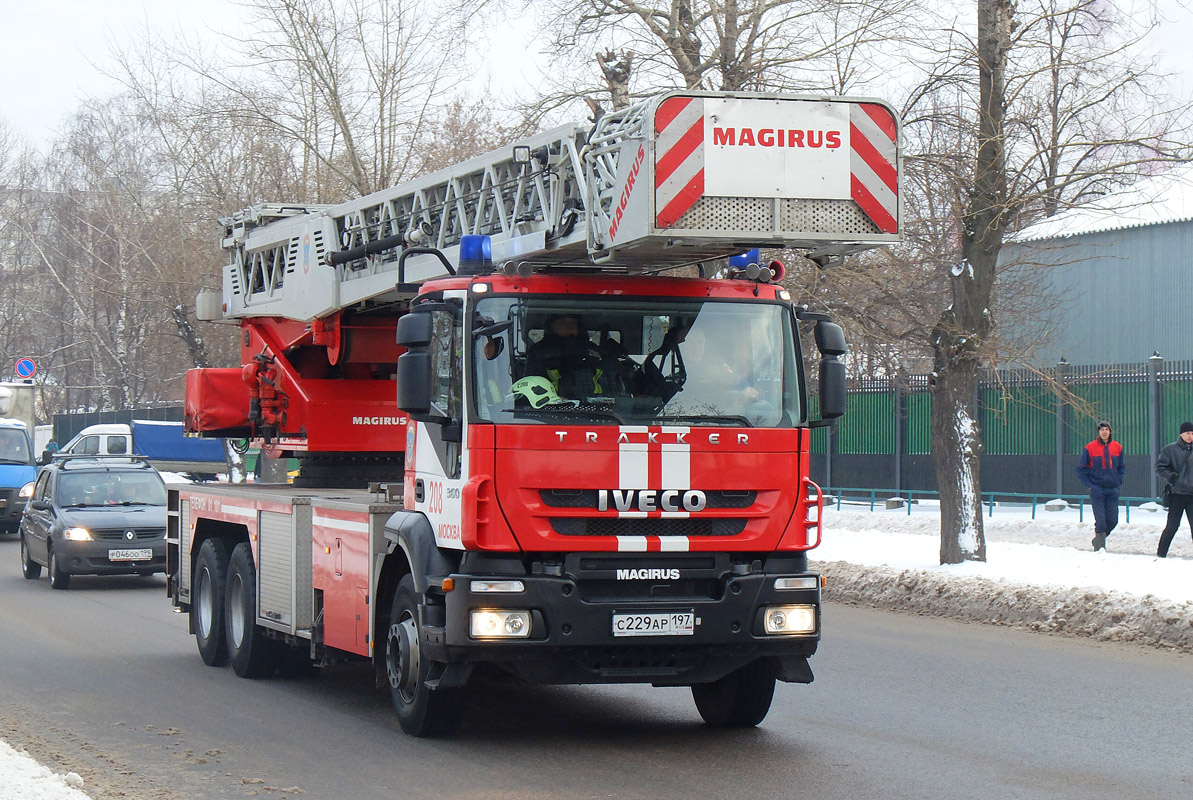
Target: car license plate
x=130 y=555
x=655 y=623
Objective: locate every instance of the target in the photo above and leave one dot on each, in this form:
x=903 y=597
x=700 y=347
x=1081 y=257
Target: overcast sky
x=49 y=48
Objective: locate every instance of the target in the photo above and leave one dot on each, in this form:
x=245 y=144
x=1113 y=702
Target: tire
x=740 y=699
x=251 y=653
x=207 y=602
x=421 y=711
x=59 y=578
x=30 y=568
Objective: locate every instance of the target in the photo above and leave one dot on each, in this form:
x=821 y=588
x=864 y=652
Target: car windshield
x=111 y=489
x=14 y=446
x=616 y=362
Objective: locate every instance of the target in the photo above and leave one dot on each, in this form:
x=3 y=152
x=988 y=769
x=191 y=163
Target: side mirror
x=414 y=330
x=40 y=505
x=830 y=339
x=414 y=379
x=832 y=388
x=414 y=387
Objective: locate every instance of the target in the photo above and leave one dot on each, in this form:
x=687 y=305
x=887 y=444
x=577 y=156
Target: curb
x=1085 y=613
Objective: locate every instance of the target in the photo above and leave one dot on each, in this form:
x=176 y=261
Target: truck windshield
x=615 y=361
x=14 y=446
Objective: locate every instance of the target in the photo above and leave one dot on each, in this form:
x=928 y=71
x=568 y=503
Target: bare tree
x=1066 y=109
x=802 y=45
x=355 y=85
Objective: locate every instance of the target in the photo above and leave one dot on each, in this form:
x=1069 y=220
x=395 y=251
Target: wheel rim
x=236 y=601
x=402 y=657
x=204 y=606
x=54 y=577
x=24 y=553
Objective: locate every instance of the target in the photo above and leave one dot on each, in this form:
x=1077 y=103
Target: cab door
x=435 y=454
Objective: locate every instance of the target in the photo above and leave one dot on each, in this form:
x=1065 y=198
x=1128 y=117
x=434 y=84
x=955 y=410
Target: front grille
x=613 y=526
x=11 y=505
x=142 y=534
x=587 y=498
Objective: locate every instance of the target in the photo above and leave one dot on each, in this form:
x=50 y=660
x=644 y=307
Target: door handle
x=419 y=490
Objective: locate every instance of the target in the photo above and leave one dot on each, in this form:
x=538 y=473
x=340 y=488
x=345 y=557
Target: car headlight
x=77 y=535
x=26 y=491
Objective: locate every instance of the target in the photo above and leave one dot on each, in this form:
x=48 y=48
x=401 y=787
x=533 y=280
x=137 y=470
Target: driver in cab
x=572 y=362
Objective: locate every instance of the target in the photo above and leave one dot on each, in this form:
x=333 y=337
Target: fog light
x=497 y=587
x=802 y=582
x=499 y=624
x=77 y=534
x=781 y=620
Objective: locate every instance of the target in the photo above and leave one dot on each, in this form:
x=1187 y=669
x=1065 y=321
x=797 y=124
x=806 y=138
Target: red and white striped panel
x=679 y=158
x=873 y=175
x=646 y=462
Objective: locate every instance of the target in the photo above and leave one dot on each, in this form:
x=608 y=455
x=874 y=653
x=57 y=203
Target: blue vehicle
x=17 y=471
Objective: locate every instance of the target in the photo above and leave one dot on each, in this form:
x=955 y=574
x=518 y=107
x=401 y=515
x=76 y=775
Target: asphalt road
x=104 y=680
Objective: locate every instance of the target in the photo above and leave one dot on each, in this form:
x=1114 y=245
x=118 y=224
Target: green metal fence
x=1022 y=413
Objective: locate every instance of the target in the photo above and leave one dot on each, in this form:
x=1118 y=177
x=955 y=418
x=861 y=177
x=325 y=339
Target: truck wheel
x=421 y=710
x=207 y=606
x=59 y=579
x=251 y=652
x=30 y=567
x=740 y=699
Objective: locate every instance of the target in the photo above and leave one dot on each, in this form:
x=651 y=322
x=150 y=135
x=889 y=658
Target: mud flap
x=794 y=669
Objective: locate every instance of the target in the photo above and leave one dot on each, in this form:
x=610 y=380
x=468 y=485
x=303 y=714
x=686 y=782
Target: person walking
x=1174 y=468
x=1101 y=470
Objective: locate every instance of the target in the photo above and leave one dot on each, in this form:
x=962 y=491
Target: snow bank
x=22 y=778
x=1039 y=575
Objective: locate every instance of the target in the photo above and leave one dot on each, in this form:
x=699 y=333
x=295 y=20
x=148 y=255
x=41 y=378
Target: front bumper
x=93 y=558
x=571 y=637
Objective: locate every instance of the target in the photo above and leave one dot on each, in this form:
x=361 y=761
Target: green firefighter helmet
x=538 y=391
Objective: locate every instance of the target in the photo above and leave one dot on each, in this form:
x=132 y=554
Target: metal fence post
x=900 y=426
x=830 y=443
x=1153 y=412
x=1062 y=371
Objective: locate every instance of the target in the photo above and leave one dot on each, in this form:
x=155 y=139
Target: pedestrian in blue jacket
x=1101 y=470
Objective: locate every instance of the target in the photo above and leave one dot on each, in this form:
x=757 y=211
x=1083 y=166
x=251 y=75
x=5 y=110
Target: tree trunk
x=962 y=335
x=956 y=446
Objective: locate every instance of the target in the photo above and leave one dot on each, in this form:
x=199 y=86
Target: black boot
x=1099 y=541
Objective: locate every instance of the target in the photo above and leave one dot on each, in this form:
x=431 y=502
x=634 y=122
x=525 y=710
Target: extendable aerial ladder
x=682 y=178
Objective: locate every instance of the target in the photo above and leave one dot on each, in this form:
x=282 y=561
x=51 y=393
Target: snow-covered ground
x=1040 y=573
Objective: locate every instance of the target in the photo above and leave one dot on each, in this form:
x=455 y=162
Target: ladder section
x=679 y=179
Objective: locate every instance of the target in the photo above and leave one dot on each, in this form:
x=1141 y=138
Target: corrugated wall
x=1115 y=296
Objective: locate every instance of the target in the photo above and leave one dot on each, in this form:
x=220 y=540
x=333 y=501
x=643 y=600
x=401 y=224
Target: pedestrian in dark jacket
x=1101 y=470
x=1174 y=468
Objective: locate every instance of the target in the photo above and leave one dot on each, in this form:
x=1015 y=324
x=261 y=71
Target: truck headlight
x=26 y=491
x=786 y=620
x=499 y=624
x=77 y=535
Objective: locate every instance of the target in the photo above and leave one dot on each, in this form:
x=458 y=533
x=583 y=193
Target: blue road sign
x=26 y=368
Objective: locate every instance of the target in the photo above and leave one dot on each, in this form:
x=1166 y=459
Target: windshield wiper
x=568 y=410
x=23 y=462
x=708 y=419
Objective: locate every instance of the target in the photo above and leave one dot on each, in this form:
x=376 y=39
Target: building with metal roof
x=1113 y=282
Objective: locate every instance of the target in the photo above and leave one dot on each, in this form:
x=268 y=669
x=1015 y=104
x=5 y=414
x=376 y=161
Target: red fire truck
x=551 y=414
